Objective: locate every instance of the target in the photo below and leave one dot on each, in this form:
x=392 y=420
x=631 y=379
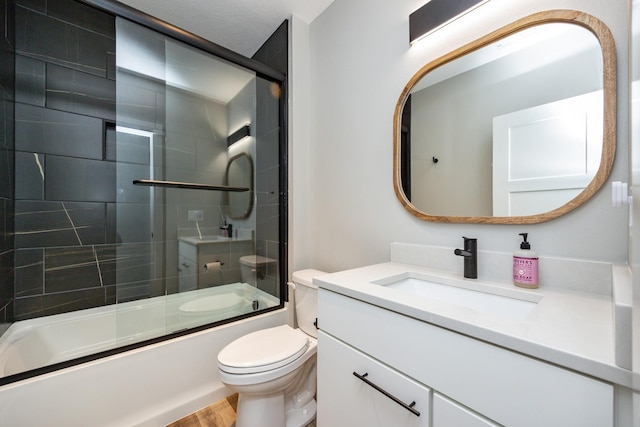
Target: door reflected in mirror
x=517 y=127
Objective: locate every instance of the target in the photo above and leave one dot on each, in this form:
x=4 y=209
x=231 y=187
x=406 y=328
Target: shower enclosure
x=148 y=163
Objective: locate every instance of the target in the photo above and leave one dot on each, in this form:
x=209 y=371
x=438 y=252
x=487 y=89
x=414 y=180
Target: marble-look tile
x=268 y=222
x=41 y=130
x=5 y=245
x=71 y=268
x=45 y=305
x=30 y=81
x=132 y=291
x=82 y=93
x=126 y=147
x=29 y=272
x=7 y=134
x=43 y=224
x=133 y=223
x=80 y=15
x=141 y=102
x=6 y=277
x=270 y=52
x=89 y=221
x=7 y=43
x=80 y=49
x=36 y=5
x=74 y=179
x=125 y=263
x=30 y=168
x=7 y=166
x=268 y=186
x=7 y=218
x=268 y=150
x=268 y=107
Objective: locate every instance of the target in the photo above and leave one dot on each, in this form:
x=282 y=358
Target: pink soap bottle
x=525 y=265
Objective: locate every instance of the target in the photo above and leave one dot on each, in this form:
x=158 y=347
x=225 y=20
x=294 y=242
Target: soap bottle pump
x=525 y=265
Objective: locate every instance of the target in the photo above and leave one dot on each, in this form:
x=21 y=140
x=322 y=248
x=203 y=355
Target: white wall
x=360 y=61
x=634 y=244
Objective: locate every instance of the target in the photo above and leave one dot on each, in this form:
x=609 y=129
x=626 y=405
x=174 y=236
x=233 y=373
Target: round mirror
x=239 y=173
x=517 y=127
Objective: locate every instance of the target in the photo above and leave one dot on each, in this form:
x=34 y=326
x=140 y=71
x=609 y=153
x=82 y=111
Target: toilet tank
x=254 y=267
x=306 y=300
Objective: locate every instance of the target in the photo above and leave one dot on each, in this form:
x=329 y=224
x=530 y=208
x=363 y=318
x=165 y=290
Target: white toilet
x=274 y=370
x=254 y=267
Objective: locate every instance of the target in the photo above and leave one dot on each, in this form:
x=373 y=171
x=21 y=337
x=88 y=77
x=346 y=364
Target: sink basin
x=479 y=296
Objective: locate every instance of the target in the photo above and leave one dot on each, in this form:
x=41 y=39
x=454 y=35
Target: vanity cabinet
x=187 y=273
x=350 y=401
x=447 y=413
x=194 y=253
x=471 y=382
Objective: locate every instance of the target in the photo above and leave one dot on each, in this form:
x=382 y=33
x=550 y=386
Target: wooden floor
x=219 y=414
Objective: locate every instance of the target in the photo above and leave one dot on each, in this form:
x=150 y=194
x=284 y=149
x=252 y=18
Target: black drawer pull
x=408 y=407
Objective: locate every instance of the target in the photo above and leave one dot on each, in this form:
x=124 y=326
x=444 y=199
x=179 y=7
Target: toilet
x=274 y=370
x=254 y=267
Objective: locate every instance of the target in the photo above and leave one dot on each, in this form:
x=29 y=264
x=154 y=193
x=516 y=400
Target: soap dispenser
x=525 y=265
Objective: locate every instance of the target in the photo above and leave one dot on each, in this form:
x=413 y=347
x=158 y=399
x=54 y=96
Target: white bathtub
x=149 y=386
x=34 y=343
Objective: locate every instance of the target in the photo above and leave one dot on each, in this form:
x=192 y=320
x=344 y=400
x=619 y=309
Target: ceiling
x=239 y=25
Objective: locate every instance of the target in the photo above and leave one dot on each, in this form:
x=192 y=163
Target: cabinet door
x=447 y=413
x=187 y=274
x=344 y=400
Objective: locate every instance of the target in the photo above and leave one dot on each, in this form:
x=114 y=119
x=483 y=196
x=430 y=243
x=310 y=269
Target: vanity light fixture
x=436 y=14
x=243 y=132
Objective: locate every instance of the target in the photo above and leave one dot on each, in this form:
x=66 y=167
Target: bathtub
x=34 y=343
x=148 y=386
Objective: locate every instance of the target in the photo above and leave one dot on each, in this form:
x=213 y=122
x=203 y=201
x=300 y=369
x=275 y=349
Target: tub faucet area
x=470 y=254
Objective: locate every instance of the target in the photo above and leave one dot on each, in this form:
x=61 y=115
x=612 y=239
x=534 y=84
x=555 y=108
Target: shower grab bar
x=409 y=407
x=188 y=185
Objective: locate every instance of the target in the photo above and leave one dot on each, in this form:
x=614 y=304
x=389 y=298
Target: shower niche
x=124 y=97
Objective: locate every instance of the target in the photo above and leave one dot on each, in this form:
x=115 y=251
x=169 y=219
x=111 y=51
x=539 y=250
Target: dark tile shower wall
x=274 y=52
x=68 y=254
x=7 y=76
x=65 y=187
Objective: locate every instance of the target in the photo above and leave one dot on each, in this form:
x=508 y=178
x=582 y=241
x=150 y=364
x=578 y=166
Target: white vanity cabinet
x=347 y=400
x=194 y=253
x=471 y=382
x=447 y=413
x=187 y=273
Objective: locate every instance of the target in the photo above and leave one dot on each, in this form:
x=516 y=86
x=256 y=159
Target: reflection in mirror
x=239 y=173
x=517 y=127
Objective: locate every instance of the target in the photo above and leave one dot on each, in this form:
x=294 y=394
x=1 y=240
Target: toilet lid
x=263 y=350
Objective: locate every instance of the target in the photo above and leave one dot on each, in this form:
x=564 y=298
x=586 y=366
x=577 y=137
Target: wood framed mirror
x=239 y=173
x=517 y=127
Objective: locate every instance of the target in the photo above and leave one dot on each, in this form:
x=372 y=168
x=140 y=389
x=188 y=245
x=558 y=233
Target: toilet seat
x=263 y=350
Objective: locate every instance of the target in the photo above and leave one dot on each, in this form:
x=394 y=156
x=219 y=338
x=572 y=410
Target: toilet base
x=302 y=416
x=266 y=411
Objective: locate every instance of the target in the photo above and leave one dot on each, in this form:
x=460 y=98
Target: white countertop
x=567 y=328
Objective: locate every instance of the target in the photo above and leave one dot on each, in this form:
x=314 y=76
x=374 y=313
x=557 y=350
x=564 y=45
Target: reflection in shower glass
x=101 y=263
x=175 y=108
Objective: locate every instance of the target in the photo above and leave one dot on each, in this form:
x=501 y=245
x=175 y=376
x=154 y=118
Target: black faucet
x=470 y=254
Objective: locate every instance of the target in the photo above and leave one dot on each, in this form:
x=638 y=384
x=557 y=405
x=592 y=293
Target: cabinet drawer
x=507 y=387
x=447 y=413
x=344 y=400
